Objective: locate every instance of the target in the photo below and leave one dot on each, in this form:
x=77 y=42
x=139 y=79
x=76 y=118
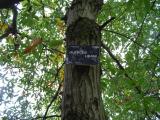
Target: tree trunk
x=81 y=96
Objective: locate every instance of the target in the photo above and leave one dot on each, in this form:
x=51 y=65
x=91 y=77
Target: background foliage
x=32 y=74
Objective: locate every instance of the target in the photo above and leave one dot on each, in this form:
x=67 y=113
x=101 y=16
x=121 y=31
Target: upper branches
x=10 y=4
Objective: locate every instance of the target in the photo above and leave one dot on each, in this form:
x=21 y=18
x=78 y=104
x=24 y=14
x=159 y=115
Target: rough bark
x=81 y=96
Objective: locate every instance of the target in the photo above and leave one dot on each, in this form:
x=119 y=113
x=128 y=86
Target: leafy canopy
x=32 y=63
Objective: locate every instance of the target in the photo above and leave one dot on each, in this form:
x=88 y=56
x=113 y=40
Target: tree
x=34 y=77
x=81 y=94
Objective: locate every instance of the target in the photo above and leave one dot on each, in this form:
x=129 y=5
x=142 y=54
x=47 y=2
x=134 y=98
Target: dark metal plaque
x=83 y=55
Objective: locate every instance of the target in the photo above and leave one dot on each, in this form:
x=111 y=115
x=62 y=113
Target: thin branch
x=58 y=70
x=43 y=11
x=142 y=23
x=24 y=35
x=139 y=32
x=134 y=41
x=121 y=34
x=146 y=112
x=53 y=99
x=157 y=115
x=52 y=49
x=4 y=35
x=112 y=56
x=56 y=94
x=29 y=5
x=51 y=116
x=120 y=67
x=46 y=47
x=105 y=23
x=12 y=29
x=128 y=37
x=14 y=20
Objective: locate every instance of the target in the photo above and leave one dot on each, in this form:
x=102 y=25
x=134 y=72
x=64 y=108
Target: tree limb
x=142 y=24
x=12 y=29
x=14 y=20
x=121 y=67
x=51 y=116
x=5 y=4
x=134 y=41
x=53 y=99
x=52 y=49
x=4 y=36
x=105 y=23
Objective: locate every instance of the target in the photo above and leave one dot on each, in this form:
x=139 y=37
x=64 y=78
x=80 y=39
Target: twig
x=4 y=36
x=126 y=36
x=120 y=66
x=142 y=24
x=121 y=34
x=56 y=75
x=51 y=116
x=105 y=23
x=53 y=99
x=134 y=41
x=13 y=27
x=46 y=47
x=157 y=115
x=52 y=49
x=29 y=5
x=112 y=56
x=43 y=6
x=14 y=20
x=59 y=70
x=56 y=94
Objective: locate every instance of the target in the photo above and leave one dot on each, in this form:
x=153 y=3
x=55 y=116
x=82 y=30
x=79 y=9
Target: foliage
x=32 y=63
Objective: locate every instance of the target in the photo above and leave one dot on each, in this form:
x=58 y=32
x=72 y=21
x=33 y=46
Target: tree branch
x=56 y=94
x=53 y=99
x=14 y=20
x=51 y=116
x=52 y=49
x=112 y=56
x=105 y=23
x=142 y=23
x=43 y=11
x=121 y=67
x=13 y=27
x=134 y=41
x=157 y=115
x=4 y=35
x=5 y=4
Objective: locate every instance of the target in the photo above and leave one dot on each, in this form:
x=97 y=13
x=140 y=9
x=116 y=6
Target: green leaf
x=55 y=43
